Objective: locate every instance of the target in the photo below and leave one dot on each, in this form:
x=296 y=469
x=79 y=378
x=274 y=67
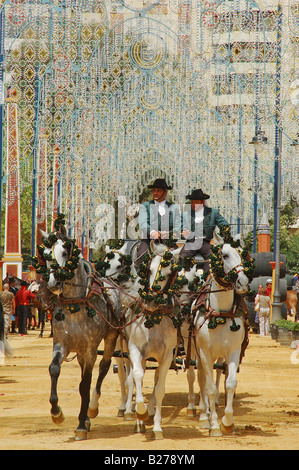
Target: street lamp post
x=276 y=304
x=258 y=140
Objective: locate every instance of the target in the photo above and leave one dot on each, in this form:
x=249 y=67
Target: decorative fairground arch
x=110 y=94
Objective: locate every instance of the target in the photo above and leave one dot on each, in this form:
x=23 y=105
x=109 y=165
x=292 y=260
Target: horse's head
x=58 y=258
x=117 y=262
x=163 y=263
x=230 y=264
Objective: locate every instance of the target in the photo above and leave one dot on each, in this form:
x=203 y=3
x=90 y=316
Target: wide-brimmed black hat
x=160 y=183
x=197 y=194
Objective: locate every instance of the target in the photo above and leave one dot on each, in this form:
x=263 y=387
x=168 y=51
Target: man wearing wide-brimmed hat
x=198 y=226
x=158 y=219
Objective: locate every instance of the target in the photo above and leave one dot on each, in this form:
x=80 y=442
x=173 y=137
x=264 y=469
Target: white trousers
x=264 y=322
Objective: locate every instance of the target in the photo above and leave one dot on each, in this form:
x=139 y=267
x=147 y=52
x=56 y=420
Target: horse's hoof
x=191 y=412
x=204 y=424
x=227 y=429
x=150 y=420
x=142 y=417
x=92 y=413
x=216 y=432
x=80 y=434
x=157 y=435
x=139 y=428
x=120 y=413
x=129 y=416
x=59 y=418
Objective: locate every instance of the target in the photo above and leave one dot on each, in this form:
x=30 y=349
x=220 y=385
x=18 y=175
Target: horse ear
x=237 y=238
x=217 y=237
x=123 y=249
x=153 y=247
x=176 y=252
x=44 y=234
x=107 y=249
x=62 y=229
x=157 y=249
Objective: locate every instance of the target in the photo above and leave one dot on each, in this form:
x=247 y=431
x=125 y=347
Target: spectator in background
x=264 y=312
x=269 y=287
x=12 y=287
x=14 y=320
x=257 y=304
x=22 y=299
x=7 y=300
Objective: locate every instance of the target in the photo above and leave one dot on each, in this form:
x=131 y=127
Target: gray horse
x=84 y=314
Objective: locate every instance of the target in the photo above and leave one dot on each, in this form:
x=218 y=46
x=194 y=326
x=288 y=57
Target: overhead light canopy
x=259 y=140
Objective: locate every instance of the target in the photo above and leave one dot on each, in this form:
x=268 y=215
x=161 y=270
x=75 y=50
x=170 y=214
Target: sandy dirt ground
x=266 y=404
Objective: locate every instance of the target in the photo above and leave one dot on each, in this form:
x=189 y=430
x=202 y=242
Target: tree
x=293 y=253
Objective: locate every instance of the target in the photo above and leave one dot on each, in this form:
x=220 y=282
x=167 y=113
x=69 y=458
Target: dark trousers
x=204 y=251
x=24 y=311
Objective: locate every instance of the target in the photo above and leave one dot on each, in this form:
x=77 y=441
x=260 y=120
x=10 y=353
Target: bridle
x=225 y=279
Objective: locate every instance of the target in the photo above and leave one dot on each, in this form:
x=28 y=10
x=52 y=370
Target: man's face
x=159 y=194
x=197 y=204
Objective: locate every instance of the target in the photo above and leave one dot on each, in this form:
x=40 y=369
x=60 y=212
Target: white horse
x=215 y=341
x=79 y=324
x=116 y=263
x=125 y=372
x=156 y=341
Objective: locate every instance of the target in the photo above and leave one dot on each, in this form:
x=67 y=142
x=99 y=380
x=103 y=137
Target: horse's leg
x=138 y=373
x=211 y=390
x=227 y=423
x=191 y=409
x=218 y=376
x=220 y=360
x=140 y=425
x=54 y=370
x=164 y=366
x=152 y=400
x=122 y=373
x=203 y=422
x=84 y=389
x=109 y=348
x=41 y=316
x=128 y=415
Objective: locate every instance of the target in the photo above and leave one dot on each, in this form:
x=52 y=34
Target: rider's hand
x=164 y=235
x=186 y=233
x=155 y=235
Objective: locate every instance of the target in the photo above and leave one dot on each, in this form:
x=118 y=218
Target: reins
x=86 y=301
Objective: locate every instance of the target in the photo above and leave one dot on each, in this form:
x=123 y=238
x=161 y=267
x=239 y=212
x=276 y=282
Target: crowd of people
x=262 y=304
x=19 y=312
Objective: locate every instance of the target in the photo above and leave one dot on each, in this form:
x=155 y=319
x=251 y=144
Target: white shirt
x=199 y=216
x=161 y=207
x=197 y=243
x=161 y=210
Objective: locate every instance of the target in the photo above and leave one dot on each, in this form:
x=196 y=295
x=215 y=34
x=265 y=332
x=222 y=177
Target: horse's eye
x=224 y=256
